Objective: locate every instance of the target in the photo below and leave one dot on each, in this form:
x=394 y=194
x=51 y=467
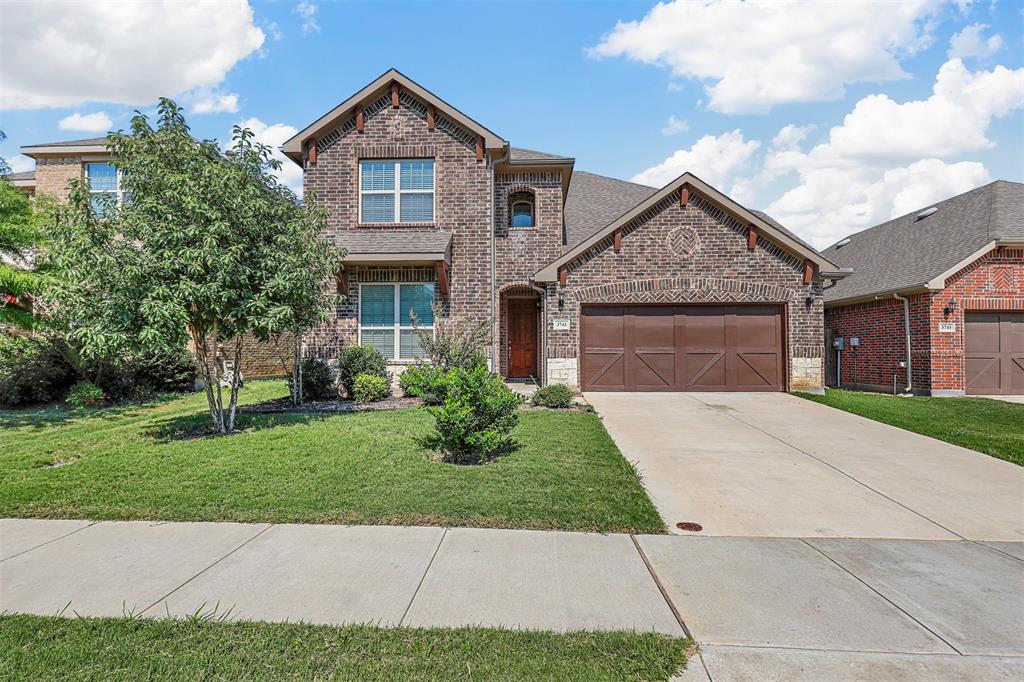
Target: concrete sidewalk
x=761 y=608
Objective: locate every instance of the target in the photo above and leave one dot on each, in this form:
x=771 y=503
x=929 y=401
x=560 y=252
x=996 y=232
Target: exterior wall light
x=950 y=307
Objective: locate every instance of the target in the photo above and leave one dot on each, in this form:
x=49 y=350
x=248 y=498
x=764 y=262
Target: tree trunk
x=201 y=353
x=236 y=377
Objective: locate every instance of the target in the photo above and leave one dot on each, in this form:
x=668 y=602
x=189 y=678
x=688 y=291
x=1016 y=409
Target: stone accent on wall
x=806 y=373
x=563 y=371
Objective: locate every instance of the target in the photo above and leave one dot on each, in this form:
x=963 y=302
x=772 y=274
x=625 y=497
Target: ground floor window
x=385 y=317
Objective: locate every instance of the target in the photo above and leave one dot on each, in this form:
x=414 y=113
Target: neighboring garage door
x=681 y=348
x=995 y=353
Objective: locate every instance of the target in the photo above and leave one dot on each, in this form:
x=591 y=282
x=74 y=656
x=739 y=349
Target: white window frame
x=397 y=327
x=117 y=191
x=397 y=191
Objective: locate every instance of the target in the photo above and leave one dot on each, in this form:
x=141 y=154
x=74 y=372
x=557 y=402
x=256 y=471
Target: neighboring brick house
x=960 y=266
x=89 y=160
x=591 y=281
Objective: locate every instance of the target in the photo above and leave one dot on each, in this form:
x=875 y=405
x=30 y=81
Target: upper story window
x=104 y=181
x=522 y=209
x=396 y=191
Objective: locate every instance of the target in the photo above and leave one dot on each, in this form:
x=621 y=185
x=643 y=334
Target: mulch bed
x=280 y=405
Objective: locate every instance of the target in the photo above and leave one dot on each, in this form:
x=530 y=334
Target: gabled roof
x=520 y=154
x=769 y=230
x=594 y=201
x=293 y=147
x=913 y=253
x=89 y=145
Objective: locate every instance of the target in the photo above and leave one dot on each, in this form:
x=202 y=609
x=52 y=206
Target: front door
x=522 y=338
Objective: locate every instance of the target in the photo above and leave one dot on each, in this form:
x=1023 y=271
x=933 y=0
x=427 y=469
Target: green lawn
x=50 y=648
x=152 y=462
x=990 y=426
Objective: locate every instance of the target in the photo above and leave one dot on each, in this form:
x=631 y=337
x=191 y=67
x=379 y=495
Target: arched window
x=521 y=209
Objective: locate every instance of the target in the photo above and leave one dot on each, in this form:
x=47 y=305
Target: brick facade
x=994 y=282
x=462 y=187
x=689 y=254
x=53 y=174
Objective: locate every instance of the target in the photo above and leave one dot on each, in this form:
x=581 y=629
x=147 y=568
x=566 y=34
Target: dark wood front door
x=994 y=353
x=522 y=338
x=682 y=348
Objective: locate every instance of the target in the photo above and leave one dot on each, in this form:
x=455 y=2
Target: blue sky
x=831 y=117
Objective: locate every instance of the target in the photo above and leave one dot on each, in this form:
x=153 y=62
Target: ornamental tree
x=207 y=246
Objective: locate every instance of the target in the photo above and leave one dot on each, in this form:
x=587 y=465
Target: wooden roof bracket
x=684 y=196
x=751 y=238
x=360 y=120
x=430 y=117
x=618 y=241
x=808 y=272
x=394 y=95
x=442 y=277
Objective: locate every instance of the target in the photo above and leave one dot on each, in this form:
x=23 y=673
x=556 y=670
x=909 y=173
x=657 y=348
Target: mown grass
x=79 y=649
x=990 y=426
x=157 y=461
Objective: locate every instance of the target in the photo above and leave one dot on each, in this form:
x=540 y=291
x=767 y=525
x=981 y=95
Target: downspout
x=906 y=331
x=495 y=364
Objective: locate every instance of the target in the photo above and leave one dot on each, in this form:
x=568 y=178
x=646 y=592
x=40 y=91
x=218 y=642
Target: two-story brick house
x=588 y=280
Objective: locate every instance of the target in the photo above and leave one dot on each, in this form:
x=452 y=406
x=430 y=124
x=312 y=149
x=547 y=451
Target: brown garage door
x=995 y=353
x=681 y=348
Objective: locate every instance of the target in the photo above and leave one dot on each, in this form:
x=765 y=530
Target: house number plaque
x=560 y=323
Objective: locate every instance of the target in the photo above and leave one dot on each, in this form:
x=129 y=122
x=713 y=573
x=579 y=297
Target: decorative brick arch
x=685 y=290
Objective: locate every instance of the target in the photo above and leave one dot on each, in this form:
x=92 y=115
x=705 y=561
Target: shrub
x=369 y=388
x=477 y=417
x=318 y=380
x=356 y=360
x=32 y=370
x=425 y=381
x=85 y=393
x=454 y=342
x=556 y=396
x=171 y=371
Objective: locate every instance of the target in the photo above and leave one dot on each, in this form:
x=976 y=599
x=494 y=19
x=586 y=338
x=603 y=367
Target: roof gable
x=293 y=148
x=769 y=230
x=912 y=253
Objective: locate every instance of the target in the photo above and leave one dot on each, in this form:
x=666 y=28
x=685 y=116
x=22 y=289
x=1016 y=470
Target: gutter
x=494 y=266
x=906 y=331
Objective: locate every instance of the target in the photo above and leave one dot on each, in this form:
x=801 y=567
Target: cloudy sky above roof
x=831 y=117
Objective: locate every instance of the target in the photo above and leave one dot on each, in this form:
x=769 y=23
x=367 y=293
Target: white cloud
x=274 y=135
x=889 y=158
x=307 y=10
x=65 y=54
x=713 y=159
x=760 y=53
x=206 y=101
x=674 y=126
x=971 y=43
x=97 y=122
x=21 y=163
x=953 y=120
x=790 y=136
x=834 y=202
x=275 y=31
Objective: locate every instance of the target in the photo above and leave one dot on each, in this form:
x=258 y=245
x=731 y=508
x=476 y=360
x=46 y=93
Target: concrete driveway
x=774 y=465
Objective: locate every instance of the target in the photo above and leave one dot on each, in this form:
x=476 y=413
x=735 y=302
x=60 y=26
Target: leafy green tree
x=21 y=219
x=206 y=246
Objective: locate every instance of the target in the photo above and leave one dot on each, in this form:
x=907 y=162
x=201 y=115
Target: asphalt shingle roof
x=520 y=154
x=24 y=175
x=595 y=201
x=402 y=241
x=87 y=142
x=907 y=252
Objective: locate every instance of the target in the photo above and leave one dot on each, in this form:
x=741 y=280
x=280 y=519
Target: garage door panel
x=683 y=347
x=994 y=345
x=757 y=371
